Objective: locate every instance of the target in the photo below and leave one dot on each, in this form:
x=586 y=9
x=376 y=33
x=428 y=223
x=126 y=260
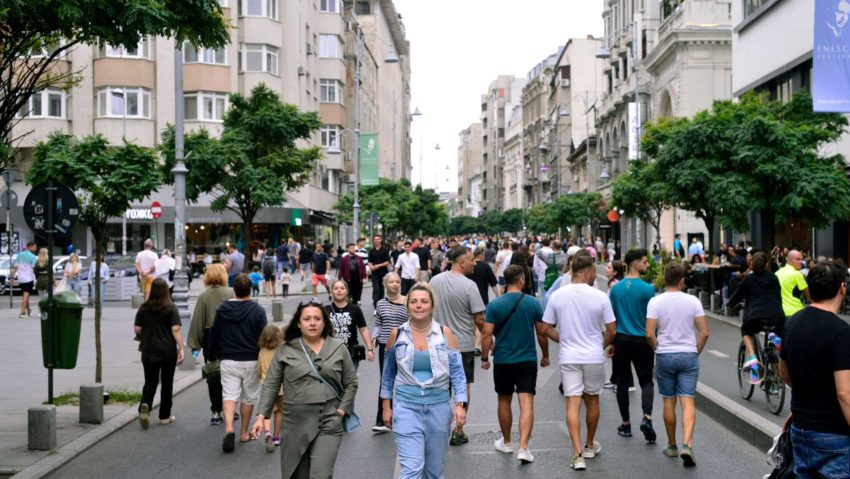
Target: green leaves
x=401 y=207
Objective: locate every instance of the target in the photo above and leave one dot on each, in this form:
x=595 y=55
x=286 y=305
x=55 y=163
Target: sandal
x=251 y=437
x=269 y=443
x=227 y=444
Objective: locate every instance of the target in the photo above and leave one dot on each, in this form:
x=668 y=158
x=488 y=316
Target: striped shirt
x=388 y=316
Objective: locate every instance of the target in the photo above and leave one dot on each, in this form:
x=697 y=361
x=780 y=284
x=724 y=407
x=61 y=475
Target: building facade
x=469 y=170
x=496 y=105
x=536 y=125
x=296 y=49
x=514 y=170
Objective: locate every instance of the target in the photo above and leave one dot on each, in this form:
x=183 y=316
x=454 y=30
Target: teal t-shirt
x=629 y=299
x=515 y=338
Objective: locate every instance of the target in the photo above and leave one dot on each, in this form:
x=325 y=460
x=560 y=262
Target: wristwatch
x=462 y=404
x=371 y=350
x=485 y=360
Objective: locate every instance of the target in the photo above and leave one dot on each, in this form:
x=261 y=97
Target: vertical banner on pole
x=831 y=56
x=633 y=131
x=368 y=158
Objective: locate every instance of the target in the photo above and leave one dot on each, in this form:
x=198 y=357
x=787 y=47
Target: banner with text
x=368 y=158
x=831 y=56
x=633 y=132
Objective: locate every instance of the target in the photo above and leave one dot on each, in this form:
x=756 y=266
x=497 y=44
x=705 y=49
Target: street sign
x=9 y=176
x=8 y=199
x=156 y=210
x=4 y=244
x=65 y=214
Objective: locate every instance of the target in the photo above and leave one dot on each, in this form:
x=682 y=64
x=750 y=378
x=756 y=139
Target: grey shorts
x=240 y=381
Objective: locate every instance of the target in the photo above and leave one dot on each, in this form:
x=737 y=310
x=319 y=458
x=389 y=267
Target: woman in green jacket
x=313 y=410
x=217 y=292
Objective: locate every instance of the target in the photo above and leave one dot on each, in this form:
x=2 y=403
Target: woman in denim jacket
x=422 y=361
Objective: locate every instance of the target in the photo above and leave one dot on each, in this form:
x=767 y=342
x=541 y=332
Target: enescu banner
x=831 y=75
x=368 y=158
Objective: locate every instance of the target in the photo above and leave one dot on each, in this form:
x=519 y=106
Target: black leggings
x=155 y=372
x=627 y=351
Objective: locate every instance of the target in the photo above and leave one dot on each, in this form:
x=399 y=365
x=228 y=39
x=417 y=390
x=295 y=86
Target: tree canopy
x=400 y=207
x=255 y=161
x=641 y=191
x=34 y=34
x=753 y=155
x=107 y=181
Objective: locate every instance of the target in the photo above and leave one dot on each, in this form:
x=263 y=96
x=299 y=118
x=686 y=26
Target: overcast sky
x=459 y=46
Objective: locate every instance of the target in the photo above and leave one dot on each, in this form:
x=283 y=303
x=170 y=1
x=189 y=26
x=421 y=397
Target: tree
x=256 y=160
x=107 y=180
x=539 y=219
x=34 y=34
x=462 y=225
x=642 y=192
x=511 y=221
x=754 y=155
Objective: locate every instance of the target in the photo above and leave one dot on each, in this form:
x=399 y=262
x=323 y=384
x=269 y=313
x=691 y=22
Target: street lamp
x=120 y=94
x=181 y=279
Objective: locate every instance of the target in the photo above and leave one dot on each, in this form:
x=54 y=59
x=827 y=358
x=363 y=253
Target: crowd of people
x=439 y=303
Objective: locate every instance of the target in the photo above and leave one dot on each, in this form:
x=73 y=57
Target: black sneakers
x=647 y=430
x=625 y=430
x=216 y=419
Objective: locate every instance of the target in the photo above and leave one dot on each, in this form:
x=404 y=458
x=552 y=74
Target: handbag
x=211 y=369
x=357 y=352
x=350 y=422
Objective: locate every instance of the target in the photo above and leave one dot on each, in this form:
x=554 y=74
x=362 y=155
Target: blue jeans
x=820 y=454
x=421 y=438
x=281 y=265
x=677 y=374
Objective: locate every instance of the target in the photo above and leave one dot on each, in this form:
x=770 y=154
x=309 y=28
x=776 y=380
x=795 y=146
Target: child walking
x=284 y=284
x=256 y=277
x=270 y=339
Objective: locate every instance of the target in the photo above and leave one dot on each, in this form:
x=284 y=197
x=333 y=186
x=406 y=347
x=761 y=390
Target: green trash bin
x=66 y=327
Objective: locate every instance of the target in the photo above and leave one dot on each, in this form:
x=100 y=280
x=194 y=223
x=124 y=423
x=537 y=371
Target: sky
x=458 y=47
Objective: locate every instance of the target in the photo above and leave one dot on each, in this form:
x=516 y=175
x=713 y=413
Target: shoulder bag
x=511 y=313
x=350 y=421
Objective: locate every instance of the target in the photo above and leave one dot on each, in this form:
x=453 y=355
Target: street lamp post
x=122 y=95
x=181 y=279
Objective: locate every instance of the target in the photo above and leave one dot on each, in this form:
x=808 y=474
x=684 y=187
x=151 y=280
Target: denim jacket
x=446 y=364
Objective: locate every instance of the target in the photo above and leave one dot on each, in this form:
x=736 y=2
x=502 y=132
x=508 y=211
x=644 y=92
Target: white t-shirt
x=580 y=311
x=573 y=250
x=146 y=260
x=675 y=312
x=408 y=263
x=503 y=258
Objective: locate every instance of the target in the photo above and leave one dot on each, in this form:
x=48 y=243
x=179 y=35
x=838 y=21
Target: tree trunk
x=98 y=255
x=709 y=225
x=768 y=224
x=248 y=236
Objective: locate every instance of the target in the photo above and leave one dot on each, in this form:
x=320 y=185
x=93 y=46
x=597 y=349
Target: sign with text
x=831 y=56
x=633 y=131
x=368 y=158
x=156 y=210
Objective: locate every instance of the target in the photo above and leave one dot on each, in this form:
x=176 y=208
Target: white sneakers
x=523 y=455
x=500 y=446
x=591 y=451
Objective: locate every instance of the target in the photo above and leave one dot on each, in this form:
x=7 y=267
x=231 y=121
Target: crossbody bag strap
x=511 y=313
x=313 y=367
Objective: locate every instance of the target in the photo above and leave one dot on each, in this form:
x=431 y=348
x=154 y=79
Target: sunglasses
x=311 y=302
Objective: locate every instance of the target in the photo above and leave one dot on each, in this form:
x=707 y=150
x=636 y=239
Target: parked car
x=59 y=263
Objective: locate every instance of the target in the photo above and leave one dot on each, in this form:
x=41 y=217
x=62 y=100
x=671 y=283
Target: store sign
x=831 y=57
x=138 y=214
x=634 y=127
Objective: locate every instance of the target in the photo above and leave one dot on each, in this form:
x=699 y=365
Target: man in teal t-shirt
x=514 y=318
x=629 y=299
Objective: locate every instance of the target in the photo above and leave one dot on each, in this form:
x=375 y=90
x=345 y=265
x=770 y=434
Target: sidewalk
x=24 y=379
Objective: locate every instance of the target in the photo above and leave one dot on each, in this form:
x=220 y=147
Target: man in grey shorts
x=233 y=340
x=577 y=311
x=459 y=307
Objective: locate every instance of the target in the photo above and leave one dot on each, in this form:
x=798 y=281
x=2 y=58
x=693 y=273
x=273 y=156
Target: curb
x=68 y=452
x=739 y=420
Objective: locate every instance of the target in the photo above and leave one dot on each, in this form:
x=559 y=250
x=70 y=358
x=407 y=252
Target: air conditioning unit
x=347 y=179
x=310 y=49
x=302 y=71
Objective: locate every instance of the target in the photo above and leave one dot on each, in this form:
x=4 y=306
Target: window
x=204 y=106
x=258 y=8
x=204 y=55
x=331 y=91
x=259 y=58
x=329 y=6
x=330 y=46
x=47 y=50
x=117 y=102
x=329 y=134
x=48 y=103
x=142 y=50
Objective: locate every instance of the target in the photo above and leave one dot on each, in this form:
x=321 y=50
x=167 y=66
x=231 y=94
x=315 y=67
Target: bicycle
x=771 y=383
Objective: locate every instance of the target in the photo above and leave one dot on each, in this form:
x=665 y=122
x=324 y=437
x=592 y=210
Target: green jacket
x=204 y=314
x=300 y=385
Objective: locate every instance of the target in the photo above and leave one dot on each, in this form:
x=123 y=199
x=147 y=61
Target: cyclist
x=760 y=290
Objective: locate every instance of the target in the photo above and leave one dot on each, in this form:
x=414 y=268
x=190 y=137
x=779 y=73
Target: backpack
x=551 y=273
x=268 y=265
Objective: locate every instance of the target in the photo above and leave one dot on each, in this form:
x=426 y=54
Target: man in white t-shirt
x=681 y=335
x=578 y=311
x=503 y=260
x=407 y=267
x=145 y=266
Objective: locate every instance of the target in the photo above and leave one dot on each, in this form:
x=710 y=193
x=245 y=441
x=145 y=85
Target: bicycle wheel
x=744 y=385
x=774 y=390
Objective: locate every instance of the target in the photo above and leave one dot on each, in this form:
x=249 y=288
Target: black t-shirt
x=305 y=256
x=320 y=263
x=157 y=340
x=378 y=256
x=816 y=344
x=424 y=254
x=483 y=277
x=490 y=255
x=395 y=254
x=346 y=321
x=282 y=252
